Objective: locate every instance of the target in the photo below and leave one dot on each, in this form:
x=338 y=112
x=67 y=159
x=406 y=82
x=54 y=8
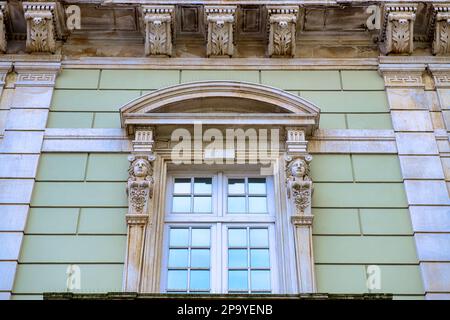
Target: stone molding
x=158 y=21
x=398 y=28
x=282 y=23
x=40 y=74
x=441 y=75
x=403 y=75
x=220 y=22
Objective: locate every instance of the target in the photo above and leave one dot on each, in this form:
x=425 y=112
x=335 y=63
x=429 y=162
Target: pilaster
x=28 y=106
x=421 y=165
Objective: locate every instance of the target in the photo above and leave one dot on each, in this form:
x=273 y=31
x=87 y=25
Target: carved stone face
x=298 y=168
x=140 y=168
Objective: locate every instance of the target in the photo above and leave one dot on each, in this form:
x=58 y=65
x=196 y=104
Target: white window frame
x=219 y=221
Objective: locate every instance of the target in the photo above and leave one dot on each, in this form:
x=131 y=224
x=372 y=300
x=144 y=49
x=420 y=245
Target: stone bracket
x=282 y=21
x=220 y=21
x=158 y=22
x=398 y=28
x=441 y=25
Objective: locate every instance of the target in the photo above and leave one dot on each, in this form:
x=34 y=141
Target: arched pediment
x=220 y=103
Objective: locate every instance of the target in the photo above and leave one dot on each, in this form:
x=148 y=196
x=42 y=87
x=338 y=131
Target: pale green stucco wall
x=79 y=200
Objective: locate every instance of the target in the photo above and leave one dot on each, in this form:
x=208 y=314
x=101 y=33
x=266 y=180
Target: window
x=220 y=234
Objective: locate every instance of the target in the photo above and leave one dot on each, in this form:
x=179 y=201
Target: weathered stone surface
x=427 y=192
x=411 y=121
x=436 y=276
x=416 y=144
x=430 y=219
x=407 y=99
x=22 y=142
x=9 y=250
x=26 y=119
x=13 y=217
x=430 y=246
x=15 y=190
x=7 y=271
x=32 y=97
x=421 y=167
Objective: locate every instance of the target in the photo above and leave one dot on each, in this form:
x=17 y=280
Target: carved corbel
x=158 y=30
x=220 y=21
x=441 y=24
x=282 y=24
x=299 y=196
x=140 y=195
x=398 y=28
x=42 y=26
x=3 y=16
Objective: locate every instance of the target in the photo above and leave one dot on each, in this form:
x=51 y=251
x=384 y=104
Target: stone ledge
x=152 y=296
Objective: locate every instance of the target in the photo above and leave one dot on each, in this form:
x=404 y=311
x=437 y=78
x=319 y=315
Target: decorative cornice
x=220 y=22
x=398 y=28
x=403 y=75
x=158 y=22
x=441 y=75
x=137 y=219
x=36 y=74
x=302 y=220
x=282 y=22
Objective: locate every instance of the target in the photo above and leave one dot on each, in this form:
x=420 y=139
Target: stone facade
x=360 y=91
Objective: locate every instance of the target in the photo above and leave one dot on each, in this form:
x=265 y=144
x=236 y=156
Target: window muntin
x=189 y=260
x=247 y=195
x=259 y=273
x=192 y=195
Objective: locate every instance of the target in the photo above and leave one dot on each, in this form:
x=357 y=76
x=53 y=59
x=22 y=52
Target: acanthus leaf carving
x=220 y=21
x=41 y=32
x=282 y=25
x=398 y=30
x=158 y=30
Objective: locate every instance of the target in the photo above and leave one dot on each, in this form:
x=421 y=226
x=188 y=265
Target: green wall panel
x=52 y=220
x=107 y=120
x=52 y=278
x=340 y=279
x=367 y=249
x=348 y=101
x=102 y=221
x=369 y=121
x=328 y=167
x=386 y=221
x=73 y=249
x=79 y=194
x=362 y=80
x=302 y=80
x=70 y=119
x=400 y=280
x=332 y=121
x=359 y=195
x=107 y=167
x=377 y=168
x=62 y=167
x=234 y=75
x=78 y=79
x=336 y=221
x=92 y=100
x=138 y=79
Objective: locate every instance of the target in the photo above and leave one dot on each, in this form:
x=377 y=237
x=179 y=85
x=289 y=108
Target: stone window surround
x=143 y=117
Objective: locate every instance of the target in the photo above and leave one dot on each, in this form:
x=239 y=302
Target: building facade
x=245 y=147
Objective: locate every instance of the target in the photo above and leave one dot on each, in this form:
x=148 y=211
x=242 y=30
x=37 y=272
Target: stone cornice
x=36 y=74
x=403 y=75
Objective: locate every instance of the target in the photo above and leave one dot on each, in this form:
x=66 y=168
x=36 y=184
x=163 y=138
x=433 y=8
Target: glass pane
x=200 y=258
x=260 y=280
x=181 y=204
x=256 y=186
x=178 y=258
x=182 y=185
x=200 y=238
x=177 y=279
x=236 y=186
x=257 y=204
x=236 y=204
x=259 y=238
x=237 y=237
x=259 y=258
x=237 y=280
x=202 y=185
x=237 y=258
x=199 y=280
x=202 y=204
x=179 y=237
